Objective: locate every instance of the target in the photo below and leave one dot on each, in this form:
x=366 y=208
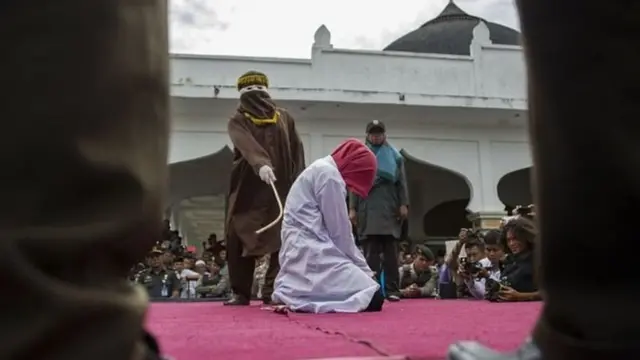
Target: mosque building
x=452 y=94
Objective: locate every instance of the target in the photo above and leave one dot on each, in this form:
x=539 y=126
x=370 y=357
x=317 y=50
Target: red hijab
x=357 y=165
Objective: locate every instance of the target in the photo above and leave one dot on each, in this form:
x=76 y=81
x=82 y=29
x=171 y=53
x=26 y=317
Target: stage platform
x=410 y=329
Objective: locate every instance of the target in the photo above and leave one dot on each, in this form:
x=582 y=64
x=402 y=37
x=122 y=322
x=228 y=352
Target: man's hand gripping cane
x=266 y=174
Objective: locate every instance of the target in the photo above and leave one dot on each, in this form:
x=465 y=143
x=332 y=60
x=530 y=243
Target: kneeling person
x=322 y=270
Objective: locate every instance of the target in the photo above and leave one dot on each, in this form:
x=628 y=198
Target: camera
x=492 y=289
x=472 y=268
x=469 y=267
x=520 y=212
x=526 y=211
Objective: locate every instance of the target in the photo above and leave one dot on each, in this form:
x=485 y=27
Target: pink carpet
x=417 y=329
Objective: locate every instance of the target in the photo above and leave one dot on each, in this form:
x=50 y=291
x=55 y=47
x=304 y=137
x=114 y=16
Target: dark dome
x=451 y=33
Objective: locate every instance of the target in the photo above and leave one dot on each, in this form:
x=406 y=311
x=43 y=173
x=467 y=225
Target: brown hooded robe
x=252 y=204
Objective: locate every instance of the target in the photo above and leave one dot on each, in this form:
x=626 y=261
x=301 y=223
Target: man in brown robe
x=267 y=149
x=584 y=86
x=84 y=172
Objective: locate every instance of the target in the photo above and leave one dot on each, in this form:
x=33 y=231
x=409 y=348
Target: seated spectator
x=167 y=259
x=517 y=276
x=222 y=255
x=322 y=270
x=419 y=278
x=470 y=269
x=187 y=277
x=449 y=271
x=495 y=252
x=216 y=283
x=458 y=277
x=490 y=254
x=201 y=268
x=158 y=280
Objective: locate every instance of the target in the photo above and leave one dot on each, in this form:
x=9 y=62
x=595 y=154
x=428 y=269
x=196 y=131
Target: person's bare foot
x=281 y=309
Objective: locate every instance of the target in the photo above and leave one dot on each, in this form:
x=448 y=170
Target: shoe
x=471 y=350
x=237 y=300
x=393 y=298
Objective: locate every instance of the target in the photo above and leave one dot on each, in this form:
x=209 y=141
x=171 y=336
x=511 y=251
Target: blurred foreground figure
x=584 y=86
x=322 y=270
x=84 y=168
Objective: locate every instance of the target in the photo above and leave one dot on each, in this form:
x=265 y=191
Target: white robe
x=322 y=270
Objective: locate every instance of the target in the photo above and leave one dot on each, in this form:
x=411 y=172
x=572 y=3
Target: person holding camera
x=517 y=282
x=452 y=263
x=473 y=272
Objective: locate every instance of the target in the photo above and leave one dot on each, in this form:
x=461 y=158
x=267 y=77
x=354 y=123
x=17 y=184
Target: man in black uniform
x=584 y=86
x=157 y=279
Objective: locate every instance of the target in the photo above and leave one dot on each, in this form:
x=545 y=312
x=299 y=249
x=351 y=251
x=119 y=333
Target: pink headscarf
x=357 y=165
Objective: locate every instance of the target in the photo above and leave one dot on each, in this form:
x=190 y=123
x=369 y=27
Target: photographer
x=517 y=277
x=473 y=270
x=491 y=265
x=452 y=262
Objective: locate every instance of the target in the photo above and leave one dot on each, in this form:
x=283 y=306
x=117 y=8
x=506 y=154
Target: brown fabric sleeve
x=297 y=148
x=243 y=140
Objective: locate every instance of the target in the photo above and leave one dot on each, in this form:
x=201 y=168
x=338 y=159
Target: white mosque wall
x=503 y=74
x=482 y=155
x=377 y=71
x=492 y=77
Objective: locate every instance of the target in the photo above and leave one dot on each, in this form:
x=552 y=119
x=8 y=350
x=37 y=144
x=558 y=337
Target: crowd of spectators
x=491 y=264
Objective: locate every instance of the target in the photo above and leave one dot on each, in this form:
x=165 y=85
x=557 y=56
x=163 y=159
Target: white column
x=489 y=201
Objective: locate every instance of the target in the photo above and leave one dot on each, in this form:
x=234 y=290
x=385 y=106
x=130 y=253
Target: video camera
x=492 y=289
x=526 y=211
x=472 y=268
x=521 y=211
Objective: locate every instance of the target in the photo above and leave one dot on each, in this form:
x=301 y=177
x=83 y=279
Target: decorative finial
x=481 y=34
x=322 y=37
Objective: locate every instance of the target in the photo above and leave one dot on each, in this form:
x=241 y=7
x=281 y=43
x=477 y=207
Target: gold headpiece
x=252 y=78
